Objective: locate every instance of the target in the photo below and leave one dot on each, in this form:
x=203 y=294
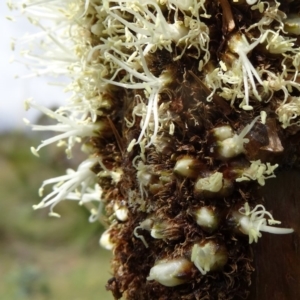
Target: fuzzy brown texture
x=171 y=202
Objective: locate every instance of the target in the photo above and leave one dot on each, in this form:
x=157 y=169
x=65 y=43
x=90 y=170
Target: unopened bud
x=292 y=24
x=207 y=218
x=188 y=166
x=171 y=272
x=222 y=133
x=121 y=212
x=105 y=240
x=166 y=229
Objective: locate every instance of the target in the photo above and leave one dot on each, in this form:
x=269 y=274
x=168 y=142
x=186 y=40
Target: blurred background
x=40 y=257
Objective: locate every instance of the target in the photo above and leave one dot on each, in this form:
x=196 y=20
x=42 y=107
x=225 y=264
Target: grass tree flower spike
x=185 y=111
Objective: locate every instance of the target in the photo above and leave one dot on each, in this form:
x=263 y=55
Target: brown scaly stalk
x=186 y=109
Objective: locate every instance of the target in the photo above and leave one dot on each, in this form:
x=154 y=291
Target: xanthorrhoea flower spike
x=192 y=106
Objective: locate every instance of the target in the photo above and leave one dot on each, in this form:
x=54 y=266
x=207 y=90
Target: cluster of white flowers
x=72 y=128
x=288 y=112
x=66 y=48
x=58 y=49
x=234 y=75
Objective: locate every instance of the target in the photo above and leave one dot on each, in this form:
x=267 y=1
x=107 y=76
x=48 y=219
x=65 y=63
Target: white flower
x=238 y=44
x=152 y=86
x=87 y=199
x=258 y=171
x=51 y=50
x=288 y=112
x=72 y=129
x=252 y=222
x=66 y=185
x=149 y=28
x=276 y=83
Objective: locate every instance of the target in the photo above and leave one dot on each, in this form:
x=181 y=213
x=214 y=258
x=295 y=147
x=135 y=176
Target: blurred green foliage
x=43 y=257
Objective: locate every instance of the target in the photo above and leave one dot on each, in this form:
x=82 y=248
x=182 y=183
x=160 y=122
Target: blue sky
x=15 y=91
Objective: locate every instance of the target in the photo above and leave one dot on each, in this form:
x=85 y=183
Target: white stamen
x=252 y=222
x=66 y=185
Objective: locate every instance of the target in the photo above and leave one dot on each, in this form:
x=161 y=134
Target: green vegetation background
x=43 y=257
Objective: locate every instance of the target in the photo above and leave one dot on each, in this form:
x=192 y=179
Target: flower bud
x=105 y=240
x=155 y=188
x=121 y=212
x=222 y=133
x=252 y=221
x=209 y=256
x=171 y=272
x=144 y=174
x=166 y=229
x=144 y=225
x=158 y=230
x=292 y=24
x=187 y=166
x=207 y=218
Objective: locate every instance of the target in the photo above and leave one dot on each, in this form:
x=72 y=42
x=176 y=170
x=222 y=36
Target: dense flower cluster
x=184 y=108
